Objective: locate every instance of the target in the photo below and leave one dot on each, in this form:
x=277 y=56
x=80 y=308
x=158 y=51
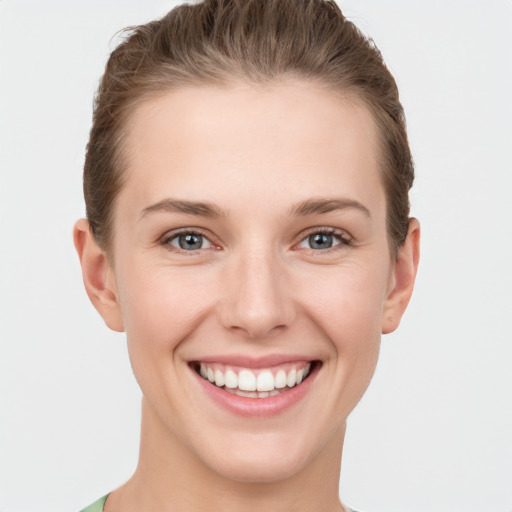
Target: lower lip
x=258 y=407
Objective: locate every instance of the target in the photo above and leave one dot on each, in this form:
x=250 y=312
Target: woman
x=246 y=183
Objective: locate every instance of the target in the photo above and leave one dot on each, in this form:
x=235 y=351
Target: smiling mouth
x=255 y=383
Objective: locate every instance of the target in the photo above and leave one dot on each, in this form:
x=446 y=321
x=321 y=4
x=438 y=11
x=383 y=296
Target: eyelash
x=343 y=237
x=166 y=241
x=344 y=240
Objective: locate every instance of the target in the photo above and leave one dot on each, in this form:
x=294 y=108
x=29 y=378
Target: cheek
x=349 y=308
x=349 y=313
x=352 y=323
x=160 y=307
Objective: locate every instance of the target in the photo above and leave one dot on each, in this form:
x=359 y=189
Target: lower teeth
x=254 y=394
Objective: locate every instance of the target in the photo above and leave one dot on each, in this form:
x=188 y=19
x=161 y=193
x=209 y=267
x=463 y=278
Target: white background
x=433 y=433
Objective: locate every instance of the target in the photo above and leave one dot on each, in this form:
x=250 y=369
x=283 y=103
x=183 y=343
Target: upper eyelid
x=169 y=235
x=346 y=240
x=341 y=233
x=167 y=244
x=165 y=240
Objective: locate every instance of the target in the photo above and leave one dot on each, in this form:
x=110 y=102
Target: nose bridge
x=259 y=302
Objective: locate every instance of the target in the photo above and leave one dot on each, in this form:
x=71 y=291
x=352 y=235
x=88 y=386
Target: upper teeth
x=260 y=380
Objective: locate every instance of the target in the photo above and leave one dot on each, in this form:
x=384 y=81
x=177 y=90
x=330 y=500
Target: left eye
x=320 y=241
x=190 y=241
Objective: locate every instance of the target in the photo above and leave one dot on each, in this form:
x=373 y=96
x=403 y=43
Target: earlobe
x=402 y=278
x=98 y=276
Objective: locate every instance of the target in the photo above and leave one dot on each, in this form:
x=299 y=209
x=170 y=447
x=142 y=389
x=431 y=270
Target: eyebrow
x=319 y=206
x=205 y=209
x=202 y=209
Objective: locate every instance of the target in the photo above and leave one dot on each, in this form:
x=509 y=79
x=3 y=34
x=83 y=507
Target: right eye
x=189 y=241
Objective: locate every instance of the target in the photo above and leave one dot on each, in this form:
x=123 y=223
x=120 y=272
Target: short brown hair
x=224 y=41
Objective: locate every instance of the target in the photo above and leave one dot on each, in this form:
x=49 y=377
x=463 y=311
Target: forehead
x=260 y=140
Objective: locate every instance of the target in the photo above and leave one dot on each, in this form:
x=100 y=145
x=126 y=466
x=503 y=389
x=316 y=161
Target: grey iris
x=320 y=241
x=190 y=241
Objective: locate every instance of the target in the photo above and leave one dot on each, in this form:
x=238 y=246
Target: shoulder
x=97 y=506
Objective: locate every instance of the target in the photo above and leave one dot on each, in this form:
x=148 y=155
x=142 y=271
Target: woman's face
x=250 y=240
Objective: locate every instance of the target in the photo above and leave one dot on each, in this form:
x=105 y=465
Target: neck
x=170 y=477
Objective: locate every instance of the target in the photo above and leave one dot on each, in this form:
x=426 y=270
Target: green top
x=97 y=506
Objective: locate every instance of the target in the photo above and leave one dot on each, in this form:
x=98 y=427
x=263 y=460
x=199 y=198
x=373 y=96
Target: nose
x=259 y=301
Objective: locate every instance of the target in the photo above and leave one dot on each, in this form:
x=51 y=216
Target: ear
x=403 y=274
x=98 y=276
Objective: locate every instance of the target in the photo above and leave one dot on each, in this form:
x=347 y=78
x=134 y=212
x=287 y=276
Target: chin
x=269 y=470
x=262 y=459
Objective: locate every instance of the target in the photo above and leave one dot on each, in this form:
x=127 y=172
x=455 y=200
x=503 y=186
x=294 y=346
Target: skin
x=257 y=287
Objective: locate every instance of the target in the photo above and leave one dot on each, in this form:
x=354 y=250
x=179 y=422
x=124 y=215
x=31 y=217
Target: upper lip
x=254 y=362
